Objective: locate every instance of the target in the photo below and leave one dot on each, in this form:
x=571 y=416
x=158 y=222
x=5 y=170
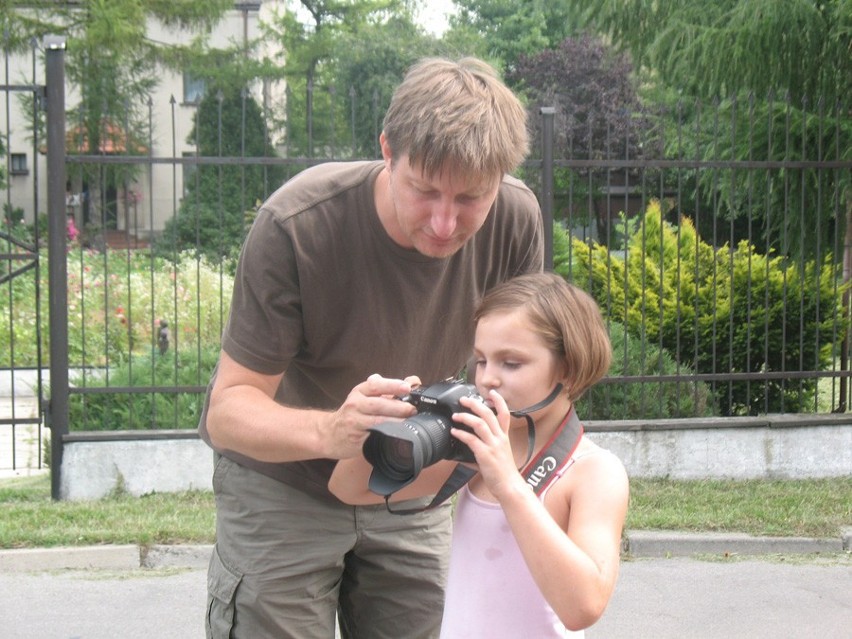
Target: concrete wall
x=779 y=447
x=97 y=464
x=784 y=446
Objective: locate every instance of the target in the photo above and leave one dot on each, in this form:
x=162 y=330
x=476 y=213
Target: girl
x=524 y=564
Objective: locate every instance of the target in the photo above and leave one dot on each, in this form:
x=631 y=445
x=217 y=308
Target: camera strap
x=538 y=473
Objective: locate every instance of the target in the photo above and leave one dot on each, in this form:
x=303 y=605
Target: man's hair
x=457 y=116
x=566 y=317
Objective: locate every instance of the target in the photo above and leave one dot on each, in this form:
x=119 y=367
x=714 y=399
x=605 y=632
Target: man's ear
x=387 y=154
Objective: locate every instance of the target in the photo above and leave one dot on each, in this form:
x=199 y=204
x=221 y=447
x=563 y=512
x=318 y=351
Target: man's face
x=435 y=215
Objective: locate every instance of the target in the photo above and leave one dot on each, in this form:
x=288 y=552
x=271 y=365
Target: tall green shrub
x=216 y=210
x=719 y=310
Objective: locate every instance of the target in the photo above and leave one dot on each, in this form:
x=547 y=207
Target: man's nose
x=443 y=220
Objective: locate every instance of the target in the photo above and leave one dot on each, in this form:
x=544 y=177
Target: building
x=140 y=207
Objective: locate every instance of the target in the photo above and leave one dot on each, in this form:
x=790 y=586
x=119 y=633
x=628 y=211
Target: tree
x=593 y=91
x=770 y=62
x=510 y=29
x=370 y=65
x=309 y=54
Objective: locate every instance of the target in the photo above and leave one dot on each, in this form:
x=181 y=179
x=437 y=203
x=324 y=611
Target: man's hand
x=369 y=403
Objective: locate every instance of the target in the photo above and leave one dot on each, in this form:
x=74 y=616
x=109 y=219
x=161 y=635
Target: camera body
x=437 y=403
x=398 y=451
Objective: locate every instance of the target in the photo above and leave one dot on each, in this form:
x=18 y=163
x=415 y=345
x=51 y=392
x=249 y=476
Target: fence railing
x=720 y=274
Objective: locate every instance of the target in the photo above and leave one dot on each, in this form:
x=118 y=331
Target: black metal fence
x=719 y=270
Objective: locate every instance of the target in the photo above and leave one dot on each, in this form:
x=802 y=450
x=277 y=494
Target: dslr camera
x=398 y=451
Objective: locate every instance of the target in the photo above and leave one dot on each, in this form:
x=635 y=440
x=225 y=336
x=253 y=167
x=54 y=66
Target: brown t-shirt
x=323 y=294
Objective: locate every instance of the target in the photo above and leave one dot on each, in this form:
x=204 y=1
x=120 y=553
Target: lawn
x=810 y=508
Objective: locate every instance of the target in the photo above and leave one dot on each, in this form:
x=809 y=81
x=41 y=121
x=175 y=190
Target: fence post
x=547 y=116
x=54 y=48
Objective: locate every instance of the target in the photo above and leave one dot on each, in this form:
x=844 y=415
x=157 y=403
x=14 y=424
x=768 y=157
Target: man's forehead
x=460 y=177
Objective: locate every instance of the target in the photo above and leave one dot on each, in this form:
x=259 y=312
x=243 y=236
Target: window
x=193 y=89
x=18 y=164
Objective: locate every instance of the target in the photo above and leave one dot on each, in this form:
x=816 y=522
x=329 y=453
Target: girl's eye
x=512 y=365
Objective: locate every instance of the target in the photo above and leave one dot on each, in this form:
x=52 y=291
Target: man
x=355 y=277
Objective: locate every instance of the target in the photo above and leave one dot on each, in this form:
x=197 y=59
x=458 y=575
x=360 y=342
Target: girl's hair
x=457 y=116
x=566 y=318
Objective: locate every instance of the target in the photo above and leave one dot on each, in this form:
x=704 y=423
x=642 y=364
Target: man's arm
x=244 y=417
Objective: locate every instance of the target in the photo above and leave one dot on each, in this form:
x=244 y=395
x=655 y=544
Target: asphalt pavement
x=671 y=585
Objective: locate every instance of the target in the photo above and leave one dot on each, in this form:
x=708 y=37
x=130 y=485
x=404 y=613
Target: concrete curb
x=637 y=544
x=678 y=544
x=124 y=557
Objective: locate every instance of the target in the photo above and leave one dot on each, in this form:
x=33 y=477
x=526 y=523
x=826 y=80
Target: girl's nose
x=486 y=376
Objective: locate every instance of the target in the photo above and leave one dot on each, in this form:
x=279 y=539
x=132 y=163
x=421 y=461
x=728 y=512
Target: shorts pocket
x=222 y=583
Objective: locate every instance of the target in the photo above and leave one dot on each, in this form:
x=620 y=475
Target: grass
x=809 y=508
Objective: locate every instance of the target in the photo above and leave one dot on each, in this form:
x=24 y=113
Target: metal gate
x=22 y=386
x=25 y=415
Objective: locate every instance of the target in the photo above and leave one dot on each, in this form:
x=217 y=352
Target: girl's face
x=513 y=359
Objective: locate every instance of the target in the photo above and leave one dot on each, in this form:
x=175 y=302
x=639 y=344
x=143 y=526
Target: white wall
x=759 y=448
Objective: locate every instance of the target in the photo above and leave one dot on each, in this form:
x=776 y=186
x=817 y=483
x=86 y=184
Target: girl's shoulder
x=591 y=459
x=593 y=472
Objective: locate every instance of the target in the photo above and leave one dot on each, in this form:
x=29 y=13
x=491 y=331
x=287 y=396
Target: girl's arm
x=575 y=569
x=350 y=477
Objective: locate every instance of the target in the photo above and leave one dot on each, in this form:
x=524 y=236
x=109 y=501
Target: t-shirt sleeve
x=527 y=228
x=264 y=329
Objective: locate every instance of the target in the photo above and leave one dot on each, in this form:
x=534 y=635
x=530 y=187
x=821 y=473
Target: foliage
x=598 y=115
x=217 y=210
x=730 y=309
x=309 y=55
x=120 y=410
x=597 y=105
x=796 y=199
x=3 y=166
x=633 y=357
x=512 y=29
x=752 y=50
x=730 y=46
x=370 y=64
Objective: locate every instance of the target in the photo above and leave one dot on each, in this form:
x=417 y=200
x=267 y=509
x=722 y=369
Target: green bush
x=148 y=410
x=718 y=311
x=644 y=399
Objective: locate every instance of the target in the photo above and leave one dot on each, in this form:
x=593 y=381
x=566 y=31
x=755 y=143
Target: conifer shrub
x=718 y=311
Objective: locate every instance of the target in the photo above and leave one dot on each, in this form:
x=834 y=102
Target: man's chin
x=436 y=249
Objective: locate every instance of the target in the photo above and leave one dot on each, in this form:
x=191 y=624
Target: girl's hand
x=489 y=442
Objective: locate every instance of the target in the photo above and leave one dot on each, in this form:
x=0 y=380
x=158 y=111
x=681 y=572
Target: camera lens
x=397 y=457
x=403 y=449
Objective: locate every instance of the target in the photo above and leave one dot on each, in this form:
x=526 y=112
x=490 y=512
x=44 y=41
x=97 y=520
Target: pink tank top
x=490 y=591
